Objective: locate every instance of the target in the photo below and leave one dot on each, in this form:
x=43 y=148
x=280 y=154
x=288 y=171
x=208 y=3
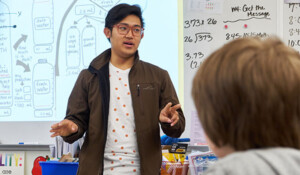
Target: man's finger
x=74 y=128
x=174 y=123
x=53 y=130
x=165 y=120
x=175 y=107
x=167 y=107
x=55 y=126
x=174 y=116
x=175 y=119
x=64 y=122
x=54 y=135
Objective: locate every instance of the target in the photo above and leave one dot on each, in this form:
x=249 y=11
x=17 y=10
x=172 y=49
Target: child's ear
x=107 y=32
x=142 y=35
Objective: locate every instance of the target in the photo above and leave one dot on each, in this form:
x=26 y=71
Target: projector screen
x=44 y=44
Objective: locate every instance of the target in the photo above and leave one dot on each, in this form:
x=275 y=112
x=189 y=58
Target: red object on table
x=37 y=169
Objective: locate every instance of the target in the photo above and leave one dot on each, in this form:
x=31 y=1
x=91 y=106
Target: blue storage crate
x=59 y=168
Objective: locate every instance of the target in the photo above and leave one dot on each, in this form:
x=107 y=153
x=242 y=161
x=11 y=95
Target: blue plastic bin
x=59 y=168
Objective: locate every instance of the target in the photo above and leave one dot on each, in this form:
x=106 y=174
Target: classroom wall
x=210 y=24
x=200 y=26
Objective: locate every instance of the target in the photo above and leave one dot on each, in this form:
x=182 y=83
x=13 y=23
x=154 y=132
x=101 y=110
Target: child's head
x=247 y=95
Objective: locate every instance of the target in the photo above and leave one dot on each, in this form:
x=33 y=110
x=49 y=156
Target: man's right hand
x=63 y=128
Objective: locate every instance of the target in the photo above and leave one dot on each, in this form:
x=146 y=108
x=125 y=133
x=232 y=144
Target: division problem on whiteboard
x=209 y=24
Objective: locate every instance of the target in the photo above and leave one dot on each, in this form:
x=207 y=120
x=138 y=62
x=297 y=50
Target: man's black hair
x=121 y=11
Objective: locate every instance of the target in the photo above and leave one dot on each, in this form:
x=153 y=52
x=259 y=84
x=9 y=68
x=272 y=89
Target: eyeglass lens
x=124 y=29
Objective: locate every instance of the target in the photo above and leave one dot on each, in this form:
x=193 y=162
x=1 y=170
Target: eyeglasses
x=123 y=29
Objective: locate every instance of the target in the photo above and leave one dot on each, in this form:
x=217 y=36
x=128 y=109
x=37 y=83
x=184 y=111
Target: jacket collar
x=104 y=58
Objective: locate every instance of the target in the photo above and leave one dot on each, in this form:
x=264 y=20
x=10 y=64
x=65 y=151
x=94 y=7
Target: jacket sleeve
x=168 y=94
x=78 y=109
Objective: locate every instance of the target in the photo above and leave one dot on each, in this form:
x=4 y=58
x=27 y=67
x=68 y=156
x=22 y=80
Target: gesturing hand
x=169 y=114
x=63 y=128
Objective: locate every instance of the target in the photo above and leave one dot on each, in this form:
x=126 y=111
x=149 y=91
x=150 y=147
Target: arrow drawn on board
x=23 y=38
x=26 y=67
x=59 y=36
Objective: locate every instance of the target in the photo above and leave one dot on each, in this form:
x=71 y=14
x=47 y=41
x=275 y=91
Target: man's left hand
x=169 y=114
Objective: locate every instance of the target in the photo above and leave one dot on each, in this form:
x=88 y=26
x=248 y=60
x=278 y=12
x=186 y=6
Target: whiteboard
x=45 y=43
x=291 y=25
x=208 y=24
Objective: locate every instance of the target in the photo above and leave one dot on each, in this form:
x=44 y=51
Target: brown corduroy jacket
x=151 y=89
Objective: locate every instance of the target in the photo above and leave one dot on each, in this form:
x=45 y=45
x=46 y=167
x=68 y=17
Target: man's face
x=125 y=36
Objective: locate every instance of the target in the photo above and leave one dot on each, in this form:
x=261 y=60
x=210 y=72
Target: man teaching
x=119 y=102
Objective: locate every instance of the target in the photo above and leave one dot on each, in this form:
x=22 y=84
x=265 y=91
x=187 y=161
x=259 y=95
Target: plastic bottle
x=42 y=25
x=43 y=87
x=73 y=47
x=88 y=44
